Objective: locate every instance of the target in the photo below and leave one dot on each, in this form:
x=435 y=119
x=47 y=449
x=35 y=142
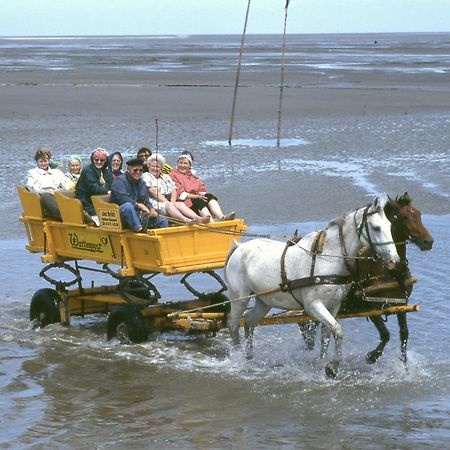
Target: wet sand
x=75 y=112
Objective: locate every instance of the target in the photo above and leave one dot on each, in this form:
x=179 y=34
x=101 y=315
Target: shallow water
x=59 y=384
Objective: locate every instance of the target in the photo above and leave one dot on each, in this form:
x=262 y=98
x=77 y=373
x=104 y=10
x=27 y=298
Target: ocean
x=364 y=114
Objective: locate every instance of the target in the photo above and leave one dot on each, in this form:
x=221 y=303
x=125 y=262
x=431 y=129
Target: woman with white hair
x=163 y=193
x=74 y=164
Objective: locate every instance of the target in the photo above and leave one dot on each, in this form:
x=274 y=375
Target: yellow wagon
x=131 y=303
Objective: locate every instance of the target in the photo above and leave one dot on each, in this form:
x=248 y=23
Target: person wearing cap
x=192 y=191
x=130 y=192
x=45 y=180
x=95 y=179
x=74 y=164
x=163 y=193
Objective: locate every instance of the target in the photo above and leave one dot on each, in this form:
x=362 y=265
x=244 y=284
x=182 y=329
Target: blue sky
x=124 y=17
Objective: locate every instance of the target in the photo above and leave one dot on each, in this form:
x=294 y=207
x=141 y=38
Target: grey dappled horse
x=254 y=267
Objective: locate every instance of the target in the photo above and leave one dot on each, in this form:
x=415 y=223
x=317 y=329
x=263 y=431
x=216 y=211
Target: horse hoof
x=330 y=371
x=373 y=356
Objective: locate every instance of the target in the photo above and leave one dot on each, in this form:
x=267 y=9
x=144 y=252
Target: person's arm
x=33 y=182
x=92 y=184
x=182 y=194
x=119 y=192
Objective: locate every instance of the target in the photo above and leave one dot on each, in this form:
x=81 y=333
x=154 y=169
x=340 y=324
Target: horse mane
x=337 y=221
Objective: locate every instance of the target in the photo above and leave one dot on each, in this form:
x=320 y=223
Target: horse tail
x=234 y=246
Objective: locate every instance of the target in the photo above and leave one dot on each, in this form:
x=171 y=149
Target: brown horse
x=406 y=225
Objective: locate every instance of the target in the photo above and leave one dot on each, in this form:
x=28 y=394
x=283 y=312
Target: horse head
x=378 y=232
x=407 y=222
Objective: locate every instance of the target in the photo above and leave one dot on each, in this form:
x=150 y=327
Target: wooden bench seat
x=108 y=213
x=32 y=218
x=70 y=208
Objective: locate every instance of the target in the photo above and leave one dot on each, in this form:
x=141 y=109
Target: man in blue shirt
x=130 y=192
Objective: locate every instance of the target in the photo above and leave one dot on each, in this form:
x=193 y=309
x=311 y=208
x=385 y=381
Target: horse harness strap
x=313 y=280
x=348 y=266
x=291 y=242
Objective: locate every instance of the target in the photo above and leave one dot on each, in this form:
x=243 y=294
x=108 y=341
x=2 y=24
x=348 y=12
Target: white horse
x=294 y=277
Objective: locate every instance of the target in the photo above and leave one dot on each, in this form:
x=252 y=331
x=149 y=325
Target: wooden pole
x=238 y=72
x=280 y=100
x=156 y=136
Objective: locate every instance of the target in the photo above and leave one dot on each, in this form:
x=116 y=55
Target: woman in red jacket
x=192 y=191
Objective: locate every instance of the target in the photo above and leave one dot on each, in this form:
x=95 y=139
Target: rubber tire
x=127 y=325
x=44 y=307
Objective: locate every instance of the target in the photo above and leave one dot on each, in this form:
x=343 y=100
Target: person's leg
x=214 y=207
x=157 y=222
x=187 y=212
x=173 y=211
x=200 y=207
x=50 y=207
x=130 y=217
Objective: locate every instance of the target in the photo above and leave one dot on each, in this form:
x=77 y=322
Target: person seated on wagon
x=115 y=162
x=95 y=179
x=192 y=191
x=163 y=194
x=130 y=192
x=143 y=154
x=46 y=181
x=74 y=164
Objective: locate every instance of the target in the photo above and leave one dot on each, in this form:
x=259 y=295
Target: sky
x=185 y=17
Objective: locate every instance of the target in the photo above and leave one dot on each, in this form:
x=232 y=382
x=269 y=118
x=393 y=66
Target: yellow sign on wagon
x=92 y=244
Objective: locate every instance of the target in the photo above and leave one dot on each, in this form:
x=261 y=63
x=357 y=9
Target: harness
x=287 y=285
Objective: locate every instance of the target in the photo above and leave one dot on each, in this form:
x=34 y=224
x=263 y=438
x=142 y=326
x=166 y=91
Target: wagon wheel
x=44 y=308
x=138 y=290
x=127 y=325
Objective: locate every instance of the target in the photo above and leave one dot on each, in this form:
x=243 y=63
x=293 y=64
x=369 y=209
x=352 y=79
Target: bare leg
x=187 y=212
x=214 y=207
x=172 y=211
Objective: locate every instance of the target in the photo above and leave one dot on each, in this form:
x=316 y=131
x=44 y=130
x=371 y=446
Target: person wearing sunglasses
x=95 y=179
x=129 y=191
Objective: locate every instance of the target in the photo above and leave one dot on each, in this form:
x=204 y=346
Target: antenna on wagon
x=238 y=72
x=156 y=136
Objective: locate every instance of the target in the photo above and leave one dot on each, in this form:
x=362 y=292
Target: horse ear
x=390 y=209
x=404 y=200
x=380 y=201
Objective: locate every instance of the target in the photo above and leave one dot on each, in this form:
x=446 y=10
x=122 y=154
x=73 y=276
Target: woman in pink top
x=192 y=191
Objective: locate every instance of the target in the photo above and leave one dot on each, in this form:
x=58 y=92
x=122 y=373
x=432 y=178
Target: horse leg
x=373 y=355
x=251 y=318
x=322 y=314
x=308 y=331
x=234 y=317
x=324 y=341
x=404 y=334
